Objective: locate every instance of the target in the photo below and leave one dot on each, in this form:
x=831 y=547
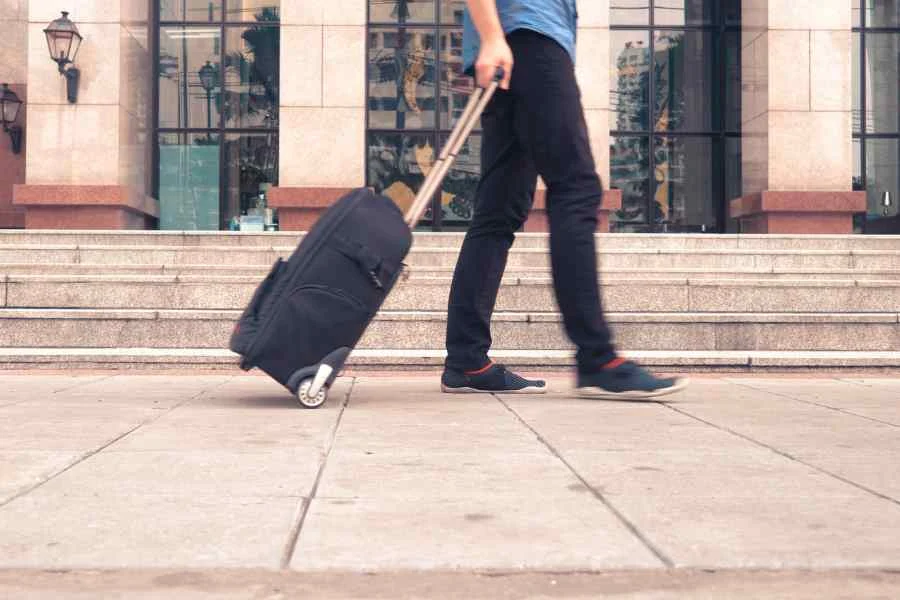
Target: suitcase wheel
x=309 y=400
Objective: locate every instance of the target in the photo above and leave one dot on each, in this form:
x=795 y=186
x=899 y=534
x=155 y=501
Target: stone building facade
x=757 y=116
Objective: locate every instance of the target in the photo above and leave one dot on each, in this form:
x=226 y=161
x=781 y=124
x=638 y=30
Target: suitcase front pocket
x=314 y=321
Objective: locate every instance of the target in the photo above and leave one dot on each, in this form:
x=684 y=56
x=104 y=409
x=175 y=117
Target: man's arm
x=495 y=51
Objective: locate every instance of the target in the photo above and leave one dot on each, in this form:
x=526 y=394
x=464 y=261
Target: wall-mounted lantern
x=63 y=41
x=9 y=112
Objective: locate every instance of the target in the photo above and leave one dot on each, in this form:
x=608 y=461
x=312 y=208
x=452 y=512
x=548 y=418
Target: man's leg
x=550 y=125
x=504 y=197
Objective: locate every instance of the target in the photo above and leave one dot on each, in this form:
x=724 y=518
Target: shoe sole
x=600 y=394
x=468 y=390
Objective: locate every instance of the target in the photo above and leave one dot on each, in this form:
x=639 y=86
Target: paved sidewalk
x=219 y=486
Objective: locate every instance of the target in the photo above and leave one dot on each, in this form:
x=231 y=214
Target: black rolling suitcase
x=311 y=310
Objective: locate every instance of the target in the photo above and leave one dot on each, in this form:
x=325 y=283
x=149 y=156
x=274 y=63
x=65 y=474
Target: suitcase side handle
x=478 y=101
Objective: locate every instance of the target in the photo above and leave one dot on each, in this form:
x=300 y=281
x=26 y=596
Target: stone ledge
x=777 y=212
x=85 y=207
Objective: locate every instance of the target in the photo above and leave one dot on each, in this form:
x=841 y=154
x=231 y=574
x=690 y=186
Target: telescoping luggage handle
x=477 y=103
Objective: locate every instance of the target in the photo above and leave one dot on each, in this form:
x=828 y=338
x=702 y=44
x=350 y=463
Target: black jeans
x=537 y=127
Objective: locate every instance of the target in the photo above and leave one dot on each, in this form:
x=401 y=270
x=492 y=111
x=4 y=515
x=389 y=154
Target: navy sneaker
x=625 y=380
x=493 y=379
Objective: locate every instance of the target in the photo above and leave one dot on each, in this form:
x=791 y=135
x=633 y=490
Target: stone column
x=797 y=137
x=86 y=164
x=592 y=70
x=13 y=62
x=323 y=95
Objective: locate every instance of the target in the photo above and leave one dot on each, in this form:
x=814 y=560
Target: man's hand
x=495 y=53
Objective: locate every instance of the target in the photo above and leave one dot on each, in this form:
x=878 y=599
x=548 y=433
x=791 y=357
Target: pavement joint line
x=657 y=552
x=305 y=503
x=820 y=405
x=784 y=454
x=83 y=457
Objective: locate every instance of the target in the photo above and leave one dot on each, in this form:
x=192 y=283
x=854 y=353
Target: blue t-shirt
x=557 y=19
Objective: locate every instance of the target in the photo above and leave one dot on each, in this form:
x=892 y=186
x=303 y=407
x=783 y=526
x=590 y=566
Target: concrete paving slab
x=116 y=531
x=394 y=414
x=24 y=427
x=411 y=474
x=20 y=388
x=483 y=533
x=834 y=441
x=20 y=471
x=244 y=430
x=208 y=475
x=142 y=391
x=874 y=401
x=246 y=584
x=855 y=530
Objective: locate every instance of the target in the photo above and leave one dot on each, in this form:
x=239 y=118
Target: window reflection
x=629 y=80
x=882 y=82
x=683 y=70
x=458 y=191
x=185 y=11
x=183 y=100
x=678 y=13
x=401 y=79
x=629 y=12
x=401 y=11
x=251 y=77
x=253 y=10
x=398 y=164
x=882 y=13
x=882 y=175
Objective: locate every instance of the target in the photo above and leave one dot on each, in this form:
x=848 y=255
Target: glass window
x=189 y=181
x=675 y=13
x=882 y=13
x=683 y=68
x=630 y=172
x=629 y=80
x=221 y=77
x=264 y=11
x=452 y=12
x=185 y=11
x=683 y=175
x=401 y=79
x=458 y=191
x=733 y=81
x=251 y=168
x=882 y=53
x=398 y=164
x=401 y=11
x=857 y=84
x=456 y=87
x=183 y=99
x=629 y=12
x=251 y=77
x=882 y=175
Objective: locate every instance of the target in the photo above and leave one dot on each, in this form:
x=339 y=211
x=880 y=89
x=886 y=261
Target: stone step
x=451 y=240
x=399 y=330
x=257 y=272
x=441 y=257
x=522 y=294
x=203 y=359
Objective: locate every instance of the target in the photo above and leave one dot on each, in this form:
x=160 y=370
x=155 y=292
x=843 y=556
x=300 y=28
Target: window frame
x=862 y=133
x=436 y=133
x=718 y=134
x=220 y=129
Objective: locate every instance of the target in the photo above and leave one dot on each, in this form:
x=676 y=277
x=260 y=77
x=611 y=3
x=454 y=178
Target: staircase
x=159 y=299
